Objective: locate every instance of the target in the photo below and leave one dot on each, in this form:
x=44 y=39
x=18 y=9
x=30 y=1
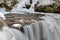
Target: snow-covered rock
x=45 y=2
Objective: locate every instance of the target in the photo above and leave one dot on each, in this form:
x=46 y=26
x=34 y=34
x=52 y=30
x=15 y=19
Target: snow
x=2 y=15
x=17 y=25
x=45 y=2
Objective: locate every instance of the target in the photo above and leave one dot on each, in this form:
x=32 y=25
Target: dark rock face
x=1 y=5
x=27 y=6
x=48 y=8
x=30 y=1
x=8 y=4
